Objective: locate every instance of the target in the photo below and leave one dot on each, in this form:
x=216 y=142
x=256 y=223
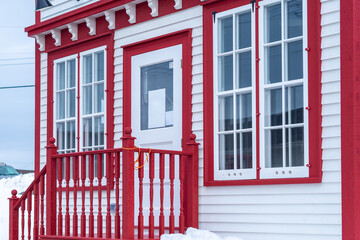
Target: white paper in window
x=156 y=108
x=169 y=119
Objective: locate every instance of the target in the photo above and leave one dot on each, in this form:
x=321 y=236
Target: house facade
x=266 y=88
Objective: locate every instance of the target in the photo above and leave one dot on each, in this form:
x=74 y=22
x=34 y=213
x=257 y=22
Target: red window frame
x=314 y=96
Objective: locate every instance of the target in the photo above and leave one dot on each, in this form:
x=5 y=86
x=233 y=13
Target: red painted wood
x=60 y=179
x=76 y=181
x=50 y=185
x=99 y=177
x=117 y=195
x=162 y=176
x=29 y=208
x=42 y=206
x=13 y=217
x=128 y=185
x=36 y=212
x=109 y=180
x=182 y=179
x=91 y=178
x=350 y=118
x=22 y=220
x=67 y=181
x=151 y=209
x=172 y=177
x=83 y=178
x=141 y=179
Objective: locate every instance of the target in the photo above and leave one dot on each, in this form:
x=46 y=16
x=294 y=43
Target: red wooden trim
x=350 y=118
x=37 y=109
x=89 y=43
x=314 y=86
x=165 y=8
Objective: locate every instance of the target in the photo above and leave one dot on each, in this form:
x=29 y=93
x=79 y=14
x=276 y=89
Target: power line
x=12 y=59
x=15 y=64
x=23 y=86
x=4 y=26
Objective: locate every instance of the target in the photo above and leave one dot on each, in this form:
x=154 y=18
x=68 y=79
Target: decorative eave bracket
x=178 y=4
x=56 y=35
x=40 y=39
x=154 y=5
x=131 y=12
x=73 y=29
x=110 y=18
x=91 y=24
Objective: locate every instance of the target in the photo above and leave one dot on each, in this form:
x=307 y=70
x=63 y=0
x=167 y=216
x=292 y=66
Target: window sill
x=263 y=181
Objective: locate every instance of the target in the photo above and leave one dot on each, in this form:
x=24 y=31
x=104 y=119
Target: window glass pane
x=295 y=60
x=244 y=69
x=244 y=150
x=88 y=68
x=273 y=148
x=87 y=132
x=295 y=147
x=71 y=71
x=157 y=96
x=70 y=111
x=273 y=107
x=226 y=34
x=294 y=105
x=60 y=105
x=294 y=18
x=60 y=135
x=226 y=73
x=244 y=34
x=273 y=23
x=99 y=98
x=226 y=152
x=244 y=105
x=226 y=113
x=70 y=135
x=274 y=65
x=99 y=130
x=99 y=66
x=60 y=76
x=87 y=100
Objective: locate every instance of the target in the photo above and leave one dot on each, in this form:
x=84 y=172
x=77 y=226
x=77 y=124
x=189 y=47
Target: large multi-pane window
x=79 y=100
x=281 y=96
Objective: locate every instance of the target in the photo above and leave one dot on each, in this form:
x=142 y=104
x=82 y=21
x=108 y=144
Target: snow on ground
x=20 y=183
x=195 y=234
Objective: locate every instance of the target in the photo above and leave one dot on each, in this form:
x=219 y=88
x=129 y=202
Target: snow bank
x=195 y=234
x=20 y=183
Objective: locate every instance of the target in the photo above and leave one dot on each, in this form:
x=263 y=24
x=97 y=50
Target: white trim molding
x=40 y=39
x=154 y=5
x=110 y=18
x=56 y=35
x=131 y=12
x=91 y=24
x=178 y=4
x=73 y=29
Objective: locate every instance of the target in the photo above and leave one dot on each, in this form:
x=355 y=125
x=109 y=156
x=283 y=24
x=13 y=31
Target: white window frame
x=55 y=74
x=81 y=117
x=236 y=174
x=282 y=172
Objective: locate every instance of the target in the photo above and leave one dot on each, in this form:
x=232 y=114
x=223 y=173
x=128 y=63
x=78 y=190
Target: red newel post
x=51 y=150
x=128 y=184
x=13 y=217
x=192 y=216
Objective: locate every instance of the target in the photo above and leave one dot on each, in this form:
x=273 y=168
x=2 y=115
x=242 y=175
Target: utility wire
x=15 y=64
x=12 y=59
x=23 y=86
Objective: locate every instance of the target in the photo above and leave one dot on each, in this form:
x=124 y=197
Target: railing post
x=51 y=192
x=128 y=185
x=192 y=204
x=13 y=217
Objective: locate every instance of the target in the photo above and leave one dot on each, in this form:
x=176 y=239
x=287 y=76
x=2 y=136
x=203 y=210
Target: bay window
x=261 y=91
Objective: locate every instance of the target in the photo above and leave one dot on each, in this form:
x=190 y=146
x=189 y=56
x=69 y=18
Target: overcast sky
x=17 y=105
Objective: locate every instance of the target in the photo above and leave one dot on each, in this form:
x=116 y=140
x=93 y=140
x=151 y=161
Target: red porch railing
x=88 y=193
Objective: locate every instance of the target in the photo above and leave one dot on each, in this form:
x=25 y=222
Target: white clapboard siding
x=43 y=108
